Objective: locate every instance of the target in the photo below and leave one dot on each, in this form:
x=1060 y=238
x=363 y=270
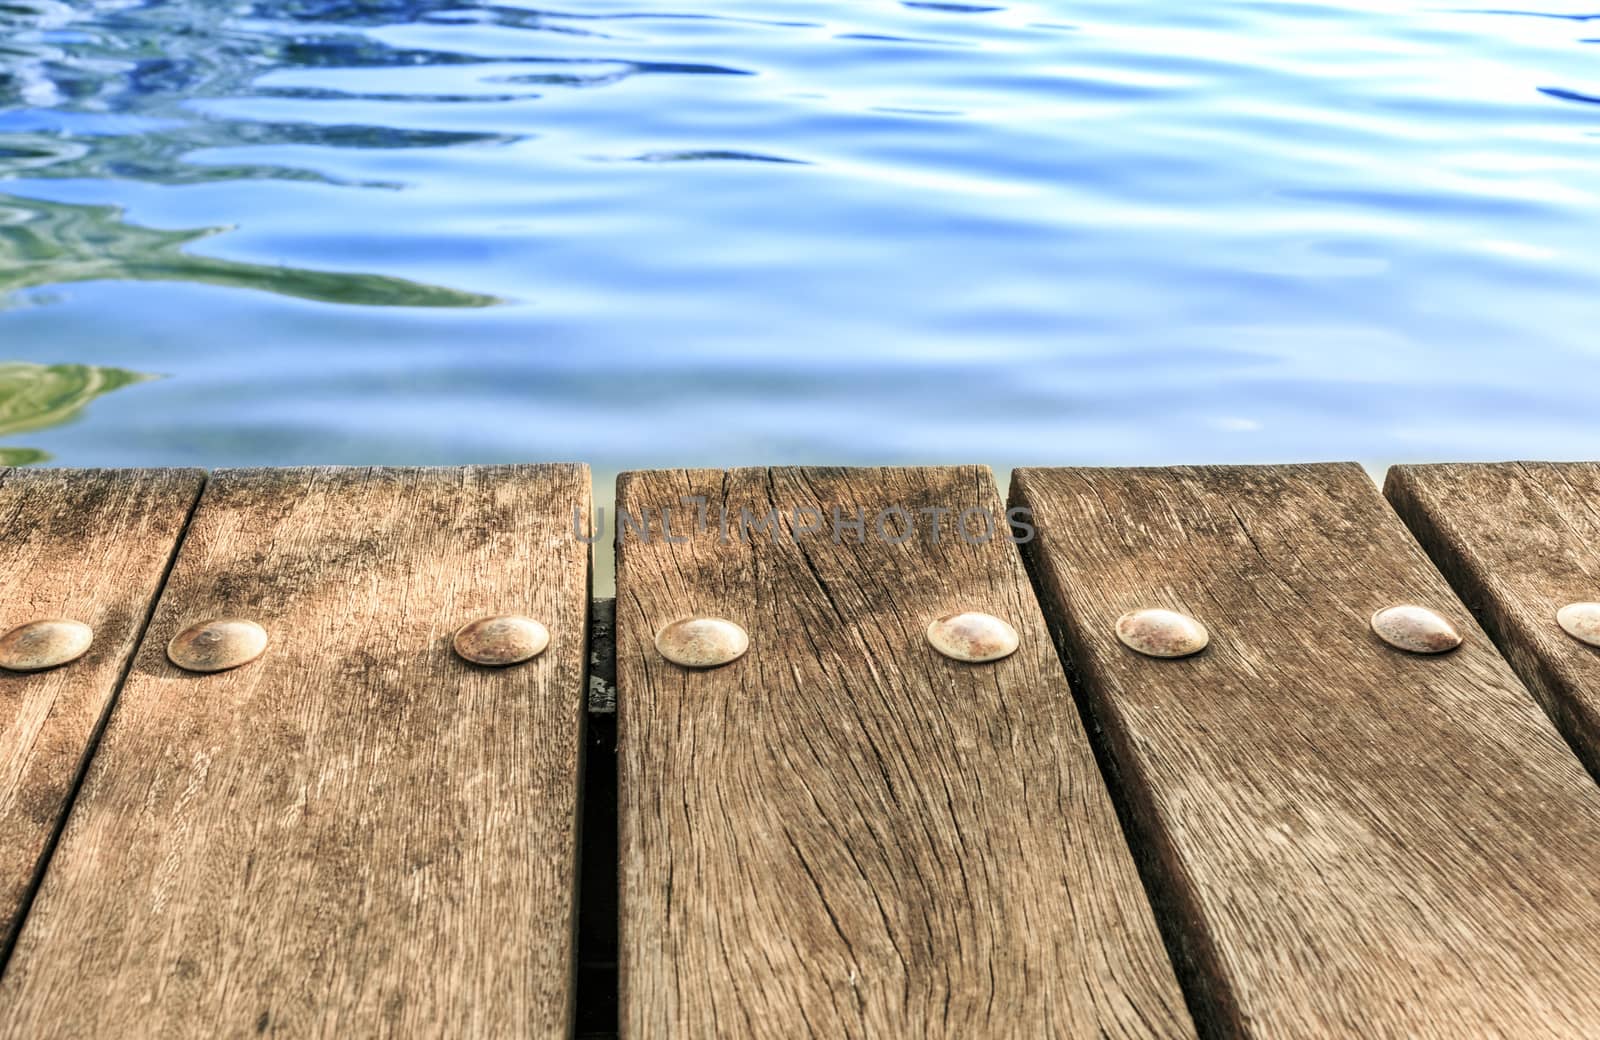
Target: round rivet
x=702 y=642
x=1581 y=621
x=502 y=640
x=43 y=644
x=1155 y=632
x=217 y=645
x=1414 y=628
x=971 y=636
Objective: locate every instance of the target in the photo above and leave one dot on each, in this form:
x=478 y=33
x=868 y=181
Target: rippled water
x=739 y=231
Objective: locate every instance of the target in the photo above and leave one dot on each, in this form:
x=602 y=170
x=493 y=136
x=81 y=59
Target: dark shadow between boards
x=596 y=1012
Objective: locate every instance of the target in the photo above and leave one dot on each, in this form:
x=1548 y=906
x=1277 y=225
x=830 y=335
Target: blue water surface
x=713 y=232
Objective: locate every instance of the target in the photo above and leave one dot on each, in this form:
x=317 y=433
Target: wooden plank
x=1354 y=841
x=1519 y=541
x=358 y=834
x=844 y=834
x=91 y=545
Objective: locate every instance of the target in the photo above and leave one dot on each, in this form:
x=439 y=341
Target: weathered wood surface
x=1350 y=840
x=1519 y=541
x=91 y=545
x=844 y=834
x=358 y=834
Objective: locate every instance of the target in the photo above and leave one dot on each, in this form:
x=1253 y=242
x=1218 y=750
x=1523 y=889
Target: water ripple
x=1571 y=95
x=714 y=155
x=929 y=5
x=1534 y=14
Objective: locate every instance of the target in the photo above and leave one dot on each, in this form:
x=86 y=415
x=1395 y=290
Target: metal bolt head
x=46 y=643
x=973 y=636
x=1581 y=621
x=1157 y=632
x=501 y=640
x=702 y=642
x=217 y=645
x=1415 y=629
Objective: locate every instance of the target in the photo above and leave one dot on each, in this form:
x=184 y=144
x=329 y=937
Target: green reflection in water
x=47 y=243
x=33 y=397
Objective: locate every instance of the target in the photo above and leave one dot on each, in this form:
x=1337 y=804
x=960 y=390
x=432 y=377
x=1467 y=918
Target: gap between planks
x=78 y=521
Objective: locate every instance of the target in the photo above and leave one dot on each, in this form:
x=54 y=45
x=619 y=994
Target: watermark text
x=692 y=516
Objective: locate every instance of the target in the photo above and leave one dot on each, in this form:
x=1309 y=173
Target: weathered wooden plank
x=844 y=834
x=91 y=545
x=358 y=834
x=1519 y=541
x=1353 y=841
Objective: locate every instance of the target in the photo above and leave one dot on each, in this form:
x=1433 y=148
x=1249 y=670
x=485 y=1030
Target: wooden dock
x=1300 y=831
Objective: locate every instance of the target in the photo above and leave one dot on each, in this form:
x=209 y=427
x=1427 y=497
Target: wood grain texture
x=1519 y=541
x=844 y=834
x=358 y=834
x=91 y=545
x=1353 y=841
